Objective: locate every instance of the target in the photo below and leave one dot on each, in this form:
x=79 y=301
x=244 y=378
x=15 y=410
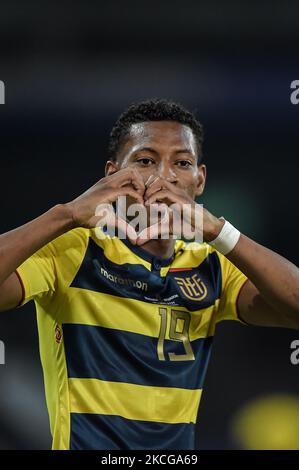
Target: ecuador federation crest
x=192 y=287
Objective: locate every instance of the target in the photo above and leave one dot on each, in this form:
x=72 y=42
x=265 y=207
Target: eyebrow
x=147 y=149
x=150 y=149
x=183 y=151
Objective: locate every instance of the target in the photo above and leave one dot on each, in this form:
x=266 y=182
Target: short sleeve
x=232 y=282
x=52 y=267
x=37 y=274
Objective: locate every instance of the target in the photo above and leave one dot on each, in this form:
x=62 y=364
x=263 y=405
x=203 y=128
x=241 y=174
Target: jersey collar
x=142 y=253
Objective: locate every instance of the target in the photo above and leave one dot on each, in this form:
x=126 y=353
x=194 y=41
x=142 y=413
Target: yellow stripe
x=117 y=252
x=232 y=281
x=136 y=402
x=97 y=309
x=191 y=256
x=55 y=378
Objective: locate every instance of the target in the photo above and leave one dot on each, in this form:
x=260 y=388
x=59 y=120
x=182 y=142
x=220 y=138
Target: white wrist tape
x=227 y=238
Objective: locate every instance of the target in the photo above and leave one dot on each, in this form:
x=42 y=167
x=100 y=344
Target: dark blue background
x=70 y=68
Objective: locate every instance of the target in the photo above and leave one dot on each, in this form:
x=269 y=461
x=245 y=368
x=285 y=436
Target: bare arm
x=19 y=244
x=271 y=295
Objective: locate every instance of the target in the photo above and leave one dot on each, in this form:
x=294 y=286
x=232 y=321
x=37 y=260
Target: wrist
x=65 y=211
x=213 y=230
x=227 y=239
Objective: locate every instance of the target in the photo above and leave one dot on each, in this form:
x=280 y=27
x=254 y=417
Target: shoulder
x=196 y=252
x=66 y=250
x=73 y=240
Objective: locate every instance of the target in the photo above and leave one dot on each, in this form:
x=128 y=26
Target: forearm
x=276 y=278
x=19 y=244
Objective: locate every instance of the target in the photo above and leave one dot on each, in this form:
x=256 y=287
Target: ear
x=111 y=167
x=201 y=179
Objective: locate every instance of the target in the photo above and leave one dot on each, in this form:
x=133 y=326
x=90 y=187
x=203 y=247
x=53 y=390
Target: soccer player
x=126 y=325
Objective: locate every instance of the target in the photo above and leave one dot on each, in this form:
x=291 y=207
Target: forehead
x=161 y=133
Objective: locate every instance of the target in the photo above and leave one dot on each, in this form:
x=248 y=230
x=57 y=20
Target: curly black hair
x=153 y=110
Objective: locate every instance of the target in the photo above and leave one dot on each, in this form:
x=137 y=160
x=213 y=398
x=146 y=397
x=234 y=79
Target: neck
x=160 y=247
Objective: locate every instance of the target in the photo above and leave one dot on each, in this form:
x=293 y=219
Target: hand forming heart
x=172 y=214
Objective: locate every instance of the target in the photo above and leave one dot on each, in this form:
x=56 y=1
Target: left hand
x=163 y=191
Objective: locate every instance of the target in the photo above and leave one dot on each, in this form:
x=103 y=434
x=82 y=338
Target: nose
x=164 y=170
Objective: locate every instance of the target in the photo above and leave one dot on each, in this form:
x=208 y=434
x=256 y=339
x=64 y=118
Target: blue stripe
x=105 y=432
x=91 y=277
x=121 y=356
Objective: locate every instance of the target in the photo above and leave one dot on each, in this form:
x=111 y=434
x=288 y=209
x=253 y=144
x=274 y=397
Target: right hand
x=125 y=182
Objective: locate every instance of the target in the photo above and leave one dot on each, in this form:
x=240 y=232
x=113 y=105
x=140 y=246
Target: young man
x=126 y=325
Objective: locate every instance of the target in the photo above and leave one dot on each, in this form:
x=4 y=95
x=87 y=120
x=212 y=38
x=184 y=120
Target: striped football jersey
x=125 y=337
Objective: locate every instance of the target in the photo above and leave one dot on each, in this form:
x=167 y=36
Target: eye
x=145 y=161
x=184 y=163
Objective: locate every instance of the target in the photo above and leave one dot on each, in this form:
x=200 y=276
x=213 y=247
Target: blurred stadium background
x=70 y=68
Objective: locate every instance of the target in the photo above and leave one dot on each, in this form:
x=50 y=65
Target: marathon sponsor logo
x=124 y=282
